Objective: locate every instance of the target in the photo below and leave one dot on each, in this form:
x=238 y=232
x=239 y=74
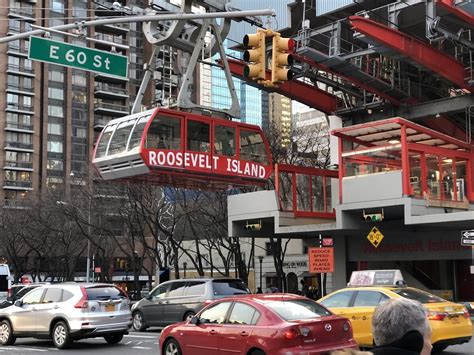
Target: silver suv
x=178 y=300
x=67 y=312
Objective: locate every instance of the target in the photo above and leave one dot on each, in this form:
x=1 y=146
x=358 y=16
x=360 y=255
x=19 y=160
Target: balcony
x=106 y=90
x=19 y=127
x=19 y=70
x=24 y=147
x=18 y=165
x=111 y=109
x=21 y=89
x=22 y=13
x=15 y=107
x=18 y=185
x=16 y=50
x=119 y=28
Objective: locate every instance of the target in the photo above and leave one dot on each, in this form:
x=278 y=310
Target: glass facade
x=249 y=97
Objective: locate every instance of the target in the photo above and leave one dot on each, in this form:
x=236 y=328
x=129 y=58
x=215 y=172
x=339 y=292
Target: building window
x=55 y=147
x=54 y=93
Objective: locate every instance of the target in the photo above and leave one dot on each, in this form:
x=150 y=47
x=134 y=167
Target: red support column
x=342 y=169
x=405 y=162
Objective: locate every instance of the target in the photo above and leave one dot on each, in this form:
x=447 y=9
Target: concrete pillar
x=340 y=260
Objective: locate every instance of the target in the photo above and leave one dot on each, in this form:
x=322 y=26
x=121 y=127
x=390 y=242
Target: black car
x=17 y=292
x=178 y=300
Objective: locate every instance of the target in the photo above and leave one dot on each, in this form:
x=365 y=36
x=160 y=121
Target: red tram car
x=169 y=147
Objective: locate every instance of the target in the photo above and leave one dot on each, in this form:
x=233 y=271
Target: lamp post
x=184 y=268
x=260 y=260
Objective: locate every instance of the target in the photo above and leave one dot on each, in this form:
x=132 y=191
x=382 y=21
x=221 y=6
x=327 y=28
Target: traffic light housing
x=253 y=226
x=373 y=217
x=255 y=56
x=282 y=59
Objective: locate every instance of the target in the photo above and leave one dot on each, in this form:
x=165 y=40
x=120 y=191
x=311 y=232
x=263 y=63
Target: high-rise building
x=49 y=112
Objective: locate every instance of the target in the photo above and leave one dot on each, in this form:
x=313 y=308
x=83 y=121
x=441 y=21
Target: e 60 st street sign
x=69 y=55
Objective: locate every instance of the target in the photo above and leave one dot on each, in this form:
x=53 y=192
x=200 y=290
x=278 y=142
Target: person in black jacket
x=401 y=327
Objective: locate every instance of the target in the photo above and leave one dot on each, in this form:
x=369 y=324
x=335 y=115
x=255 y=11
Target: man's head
x=394 y=318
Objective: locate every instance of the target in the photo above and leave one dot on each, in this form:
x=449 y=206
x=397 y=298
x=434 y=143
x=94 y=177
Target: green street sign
x=69 y=55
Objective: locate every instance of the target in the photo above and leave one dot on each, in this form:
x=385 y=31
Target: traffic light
x=255 y=56
x=282 y=59
x=373 y=217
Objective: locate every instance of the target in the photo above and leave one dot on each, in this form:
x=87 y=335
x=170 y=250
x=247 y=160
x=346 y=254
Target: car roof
x=204 y=279
x=266 y=297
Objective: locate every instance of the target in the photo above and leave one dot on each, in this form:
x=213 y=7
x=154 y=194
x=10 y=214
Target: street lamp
x=184 y=268
x=260 y=260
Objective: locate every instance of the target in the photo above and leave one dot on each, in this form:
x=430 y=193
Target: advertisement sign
x=321 y=260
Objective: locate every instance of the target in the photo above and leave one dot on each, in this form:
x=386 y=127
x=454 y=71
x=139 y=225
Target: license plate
x=109 y=307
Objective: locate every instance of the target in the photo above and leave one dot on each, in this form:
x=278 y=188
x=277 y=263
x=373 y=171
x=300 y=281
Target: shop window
x=373 y=160
x=415 y=174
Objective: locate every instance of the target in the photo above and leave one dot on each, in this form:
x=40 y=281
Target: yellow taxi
x=450 y=322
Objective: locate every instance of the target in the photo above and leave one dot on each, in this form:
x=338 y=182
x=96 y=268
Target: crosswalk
x=138 y=342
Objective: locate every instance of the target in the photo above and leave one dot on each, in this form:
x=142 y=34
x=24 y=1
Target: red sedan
x=258 y=325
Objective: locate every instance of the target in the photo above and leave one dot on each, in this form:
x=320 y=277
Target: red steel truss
x=418 y=51
x=306 y=94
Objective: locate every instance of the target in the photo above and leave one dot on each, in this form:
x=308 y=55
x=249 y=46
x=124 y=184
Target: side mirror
x=18 y=303
x=149 y=297
x=194 y=320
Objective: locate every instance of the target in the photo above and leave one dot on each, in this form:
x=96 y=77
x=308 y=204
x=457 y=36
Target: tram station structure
x=396 y=80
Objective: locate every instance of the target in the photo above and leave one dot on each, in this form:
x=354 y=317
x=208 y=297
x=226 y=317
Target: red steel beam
x=304 y=93
x=448 y=5
x=420 y=52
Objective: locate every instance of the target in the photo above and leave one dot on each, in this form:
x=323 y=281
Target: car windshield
x=99 y=293
x=297 y=309
x=229 y=287
x=417 y=295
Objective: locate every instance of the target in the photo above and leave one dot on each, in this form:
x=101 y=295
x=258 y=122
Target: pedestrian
x=400 y=327
x=304 y=288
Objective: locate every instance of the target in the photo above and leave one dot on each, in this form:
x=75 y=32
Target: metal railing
x=101 y=86
x=23 y=126
x=19 y=145
x=18 y=164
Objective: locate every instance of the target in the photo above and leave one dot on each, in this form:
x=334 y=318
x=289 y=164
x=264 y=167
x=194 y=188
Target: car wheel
x=172 y=348
x=438 y=348
x=6 y=333
x=60 y=335
x=188 y=316
x=113 y=338
x=138 y=322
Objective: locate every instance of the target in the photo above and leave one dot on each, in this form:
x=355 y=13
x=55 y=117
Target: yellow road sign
x=375 y=237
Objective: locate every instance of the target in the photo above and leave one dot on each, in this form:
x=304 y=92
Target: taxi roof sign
x=377 y=278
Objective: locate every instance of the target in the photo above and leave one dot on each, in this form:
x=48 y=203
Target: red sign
x=328 y=242
x=321 y=260
x=205 y=162
x=97 y=269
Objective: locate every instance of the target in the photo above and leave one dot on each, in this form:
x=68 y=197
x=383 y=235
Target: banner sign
x=204 y=162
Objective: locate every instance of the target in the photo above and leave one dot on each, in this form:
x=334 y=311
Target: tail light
x=10 y=293
x=466 y=313
x=347 y=327
x=207 y=302
x=436 y=315
x=84 y=301
x=290 y=333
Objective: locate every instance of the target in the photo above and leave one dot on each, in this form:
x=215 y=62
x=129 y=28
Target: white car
x=67 y=312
